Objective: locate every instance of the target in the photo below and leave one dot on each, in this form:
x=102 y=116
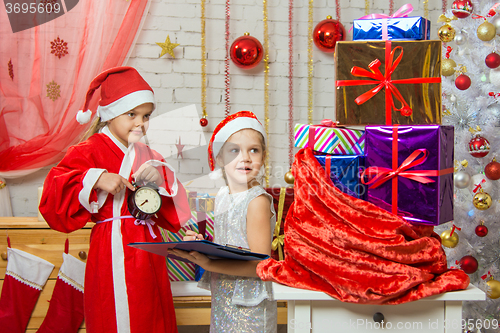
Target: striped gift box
x=180 y=270
x=330 y=140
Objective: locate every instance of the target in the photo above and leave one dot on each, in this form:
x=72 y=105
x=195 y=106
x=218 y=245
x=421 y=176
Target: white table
x=313 y=311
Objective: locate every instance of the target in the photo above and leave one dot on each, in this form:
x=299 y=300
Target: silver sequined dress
x=239 y=304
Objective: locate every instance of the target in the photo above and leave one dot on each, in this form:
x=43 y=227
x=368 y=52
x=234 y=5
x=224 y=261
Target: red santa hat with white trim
x=230 y=125
x=122 y=89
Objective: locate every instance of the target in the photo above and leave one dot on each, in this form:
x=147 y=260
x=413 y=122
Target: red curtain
x=45 y=72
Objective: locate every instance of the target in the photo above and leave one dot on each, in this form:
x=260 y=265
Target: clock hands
x=143 y=202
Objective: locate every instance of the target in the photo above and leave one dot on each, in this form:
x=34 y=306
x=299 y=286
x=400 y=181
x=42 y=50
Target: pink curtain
x=45 y=72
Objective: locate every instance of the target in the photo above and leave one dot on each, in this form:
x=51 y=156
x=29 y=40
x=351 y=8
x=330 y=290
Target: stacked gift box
x=202 y=221
x=392 y=89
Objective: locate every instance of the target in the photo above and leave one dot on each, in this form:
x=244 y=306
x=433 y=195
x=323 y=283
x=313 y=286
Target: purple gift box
x=409 y=171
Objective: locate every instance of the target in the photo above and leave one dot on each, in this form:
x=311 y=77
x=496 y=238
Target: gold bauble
x=482 y=200
x=486 y=31
x=448 y=67
x=446 y=33
x=289 y=178
x=494 y=291
x=449 y=240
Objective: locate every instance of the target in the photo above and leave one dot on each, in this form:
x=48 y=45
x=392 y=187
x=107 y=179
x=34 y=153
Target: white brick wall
x=177 y=82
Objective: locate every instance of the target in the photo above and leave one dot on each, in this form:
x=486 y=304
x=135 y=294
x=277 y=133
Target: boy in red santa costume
x=126 y=289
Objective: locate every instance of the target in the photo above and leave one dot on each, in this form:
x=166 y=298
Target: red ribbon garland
x=379 y=175
x=384 y=81
x=448 y=51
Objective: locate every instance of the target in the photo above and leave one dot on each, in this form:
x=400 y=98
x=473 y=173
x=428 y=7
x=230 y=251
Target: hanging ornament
x=246 y=51
x=492 y=170
x=179 y=147
x=461 y=179
x=494 y=288
x=478 y=146
x=493 y=113
x=167 y=47
x=492 y=60
x=496 y=22
x=486 y=31
x=289 y=178
x=495 y=77
x=460 y=38
x=53 y=90
x=462 y=8
x=480 y=182
x=59 y=47
x=463 y=82
x=327 y=33
x=448 y=65
x=468 y=264
x=449 y=238
x=482 y=200
x=204 y=121
x=446 y=33
x=481 y=230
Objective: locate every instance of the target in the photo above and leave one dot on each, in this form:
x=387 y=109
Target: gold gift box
x=420 y=59
x=205 y=204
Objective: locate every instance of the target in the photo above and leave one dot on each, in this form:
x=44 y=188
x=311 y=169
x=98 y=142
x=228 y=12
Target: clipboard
x=210 y=249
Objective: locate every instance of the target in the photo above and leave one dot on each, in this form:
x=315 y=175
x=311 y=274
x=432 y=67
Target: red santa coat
x=126 y=289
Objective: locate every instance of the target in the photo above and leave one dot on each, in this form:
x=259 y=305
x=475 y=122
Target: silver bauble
x=461 y=179
x=460 y=38
x=493 y=114
x=480 y=179
x=495 y=77
x=496 y=22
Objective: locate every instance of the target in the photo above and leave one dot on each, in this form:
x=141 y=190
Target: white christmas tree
x=469 y=51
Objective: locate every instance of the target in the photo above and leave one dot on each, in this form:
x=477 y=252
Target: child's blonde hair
x=96 y=126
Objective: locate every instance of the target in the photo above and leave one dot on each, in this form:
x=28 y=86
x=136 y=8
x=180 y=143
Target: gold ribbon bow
x=443 y=18
x=279 y=240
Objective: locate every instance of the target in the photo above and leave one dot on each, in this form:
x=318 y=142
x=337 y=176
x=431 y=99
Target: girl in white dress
x=245 y=217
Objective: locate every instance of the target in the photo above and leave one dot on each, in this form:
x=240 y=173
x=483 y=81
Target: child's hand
x=148 y=174
x=112 y=183
x=195 y=257
x=191 y=235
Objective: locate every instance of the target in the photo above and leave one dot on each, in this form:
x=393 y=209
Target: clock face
x=147 y=200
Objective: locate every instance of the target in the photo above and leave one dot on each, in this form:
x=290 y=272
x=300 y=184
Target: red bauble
x=481 y=230
x=492 y=60
x=327 y=33
x=462 y=8
x=462 y=82
x=479 y=146
x=492 y=170
x=468 y=264
x=246 y=51
x=203 y=122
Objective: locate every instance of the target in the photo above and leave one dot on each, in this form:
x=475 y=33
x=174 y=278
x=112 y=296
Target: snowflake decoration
x=11 y=69
x=461 y=117
x=53 y=90
x=59 y=47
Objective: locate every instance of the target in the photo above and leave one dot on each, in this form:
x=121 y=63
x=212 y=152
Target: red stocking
x=25 y=277
x=65 y=314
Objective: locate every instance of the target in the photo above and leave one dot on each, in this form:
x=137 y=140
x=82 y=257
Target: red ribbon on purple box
x=385 y=81
x=379 y=175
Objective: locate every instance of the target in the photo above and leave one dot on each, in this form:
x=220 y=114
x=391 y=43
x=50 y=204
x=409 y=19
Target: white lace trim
x=25 y=281
x=70 y=281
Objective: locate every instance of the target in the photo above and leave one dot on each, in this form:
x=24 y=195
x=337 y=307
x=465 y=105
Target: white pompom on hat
x=122 y=89
x=230 y=125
